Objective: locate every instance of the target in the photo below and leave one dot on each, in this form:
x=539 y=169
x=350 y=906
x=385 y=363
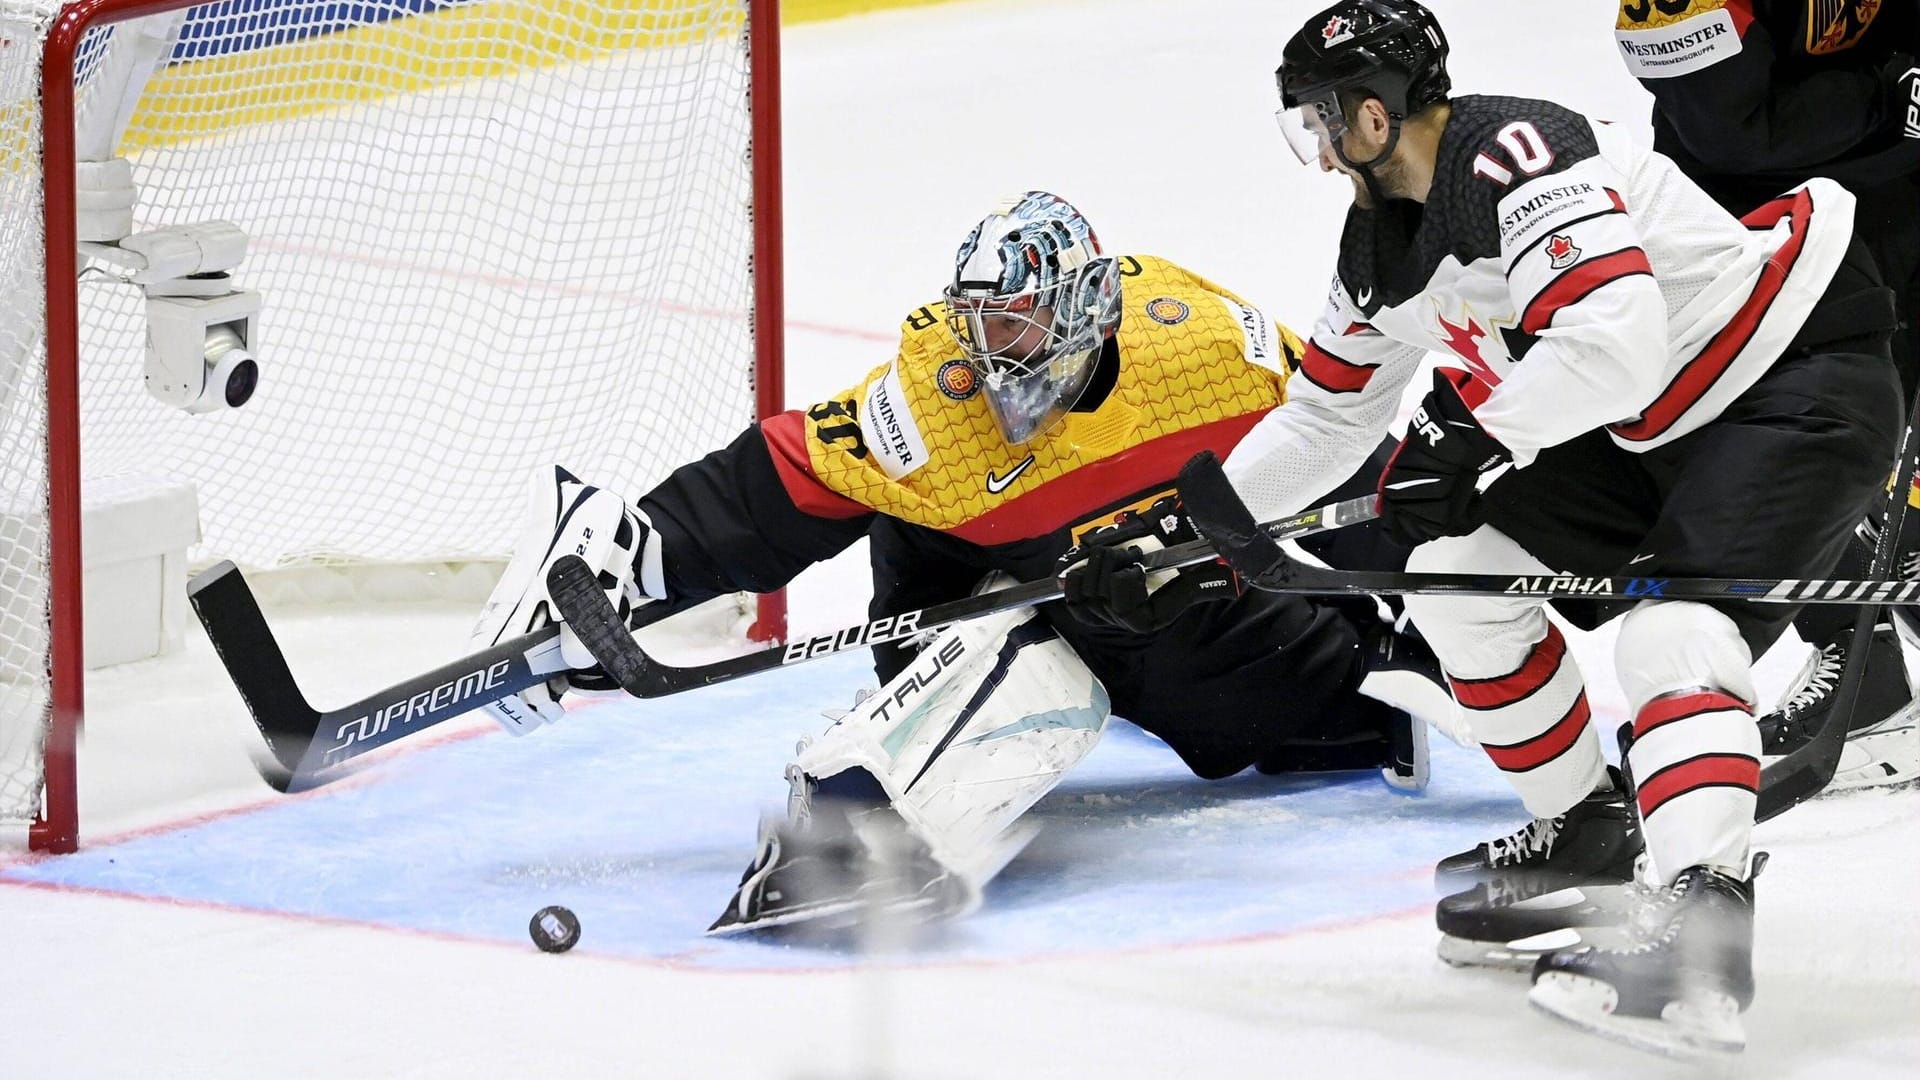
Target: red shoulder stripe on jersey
x=1665 y=710
x=1541 y=664
x=1742 y=13
x=1711 y=362
x=1332 y=374
x=1619 y=203
x=1695 y=773
x=1577 y=281
x=1545 y=747
x=1073 y=497
x=786 y=436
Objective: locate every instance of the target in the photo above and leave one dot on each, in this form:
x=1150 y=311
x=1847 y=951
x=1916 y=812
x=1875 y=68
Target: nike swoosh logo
x=1404 y=484
x=1366 y=294
x=1638 y=559
x=998 y=484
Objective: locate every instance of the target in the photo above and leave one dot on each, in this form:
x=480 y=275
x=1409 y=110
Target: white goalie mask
x=1032 y=302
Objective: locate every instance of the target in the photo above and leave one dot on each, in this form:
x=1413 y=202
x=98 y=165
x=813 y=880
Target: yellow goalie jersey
x=1198 y=366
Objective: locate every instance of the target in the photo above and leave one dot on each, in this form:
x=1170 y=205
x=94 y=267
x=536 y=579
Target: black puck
x=554 y=929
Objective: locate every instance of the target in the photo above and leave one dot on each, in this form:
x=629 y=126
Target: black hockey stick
x=1218 y=513
x=584 y=606
x=306 y=745
x=1808 y=770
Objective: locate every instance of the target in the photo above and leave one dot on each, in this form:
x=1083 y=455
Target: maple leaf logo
x=1337 y=30
x=1560 y=251
x=1462 y=340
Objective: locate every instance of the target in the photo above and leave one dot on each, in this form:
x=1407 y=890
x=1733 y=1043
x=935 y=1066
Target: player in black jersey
x=1677 y=394
x=1752 y=97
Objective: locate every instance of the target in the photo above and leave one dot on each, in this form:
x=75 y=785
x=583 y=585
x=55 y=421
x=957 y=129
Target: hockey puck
x=554 y=929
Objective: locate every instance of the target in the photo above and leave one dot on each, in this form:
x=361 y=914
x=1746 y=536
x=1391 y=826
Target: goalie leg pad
x=1696 y=749
x=985 y=721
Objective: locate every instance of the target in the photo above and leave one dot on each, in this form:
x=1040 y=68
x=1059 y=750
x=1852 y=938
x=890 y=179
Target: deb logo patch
x=1167 y=311
x=957 y=380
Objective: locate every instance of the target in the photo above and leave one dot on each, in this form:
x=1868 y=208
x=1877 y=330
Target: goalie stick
x=306 y=746
x=584 y=606
x=1219 y=514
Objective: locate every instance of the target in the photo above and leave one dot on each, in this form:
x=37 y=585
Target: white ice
x=1161 y=927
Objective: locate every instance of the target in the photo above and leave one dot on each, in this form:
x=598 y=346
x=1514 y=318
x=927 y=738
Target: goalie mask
x=1032 y=302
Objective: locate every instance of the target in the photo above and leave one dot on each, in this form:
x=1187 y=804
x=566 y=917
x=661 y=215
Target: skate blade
x=1517 y=955
x=1881 y=757
x=1700 y=1029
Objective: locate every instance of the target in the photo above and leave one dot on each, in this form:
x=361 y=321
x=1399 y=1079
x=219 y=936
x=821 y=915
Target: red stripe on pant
x=1667 y=709
x=1695 y=773
x=1541 y=664
x=1545 y=747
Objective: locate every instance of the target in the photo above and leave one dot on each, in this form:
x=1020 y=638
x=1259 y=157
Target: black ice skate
x=1680 y=985
x=1502 y=924
x=1595 y=842
x=832 y=877
x=1883 y=745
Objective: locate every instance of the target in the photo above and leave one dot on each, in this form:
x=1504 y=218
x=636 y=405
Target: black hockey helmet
x=1390 y=49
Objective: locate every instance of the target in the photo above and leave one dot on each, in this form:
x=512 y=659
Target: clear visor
x=1030 y=373
x=1311 y=128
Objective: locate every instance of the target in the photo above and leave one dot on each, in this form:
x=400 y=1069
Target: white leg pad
x=985 y=721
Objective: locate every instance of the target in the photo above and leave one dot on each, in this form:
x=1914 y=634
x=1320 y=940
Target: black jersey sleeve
x=727 y=523
x=1762 y=112
x=913 y=567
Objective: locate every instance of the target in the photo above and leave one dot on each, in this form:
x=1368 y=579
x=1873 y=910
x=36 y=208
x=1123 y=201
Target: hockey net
x=486 y=234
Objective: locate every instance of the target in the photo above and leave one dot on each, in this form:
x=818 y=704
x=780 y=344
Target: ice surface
x=1159 y=927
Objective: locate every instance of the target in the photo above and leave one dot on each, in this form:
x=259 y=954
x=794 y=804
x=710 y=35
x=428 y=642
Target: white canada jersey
x=1581 y=278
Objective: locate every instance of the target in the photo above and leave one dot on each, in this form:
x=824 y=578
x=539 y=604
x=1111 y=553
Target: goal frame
x=57 y=828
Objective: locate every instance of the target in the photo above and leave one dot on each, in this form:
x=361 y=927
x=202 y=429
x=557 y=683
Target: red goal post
x=486 y=235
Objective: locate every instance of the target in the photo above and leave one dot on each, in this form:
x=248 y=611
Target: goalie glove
x=568 y=517
x=1107 y=587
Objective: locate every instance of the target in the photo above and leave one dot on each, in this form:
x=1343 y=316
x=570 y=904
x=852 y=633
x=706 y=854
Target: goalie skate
x=842 y=878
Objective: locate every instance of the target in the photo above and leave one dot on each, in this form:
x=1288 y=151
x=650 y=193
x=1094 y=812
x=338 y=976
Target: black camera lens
x=241 y=383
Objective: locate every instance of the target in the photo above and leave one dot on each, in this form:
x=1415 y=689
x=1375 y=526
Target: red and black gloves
x=1429 y=487
x=1106 y=586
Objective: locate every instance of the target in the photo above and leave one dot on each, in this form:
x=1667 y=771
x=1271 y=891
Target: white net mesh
x=488 y=235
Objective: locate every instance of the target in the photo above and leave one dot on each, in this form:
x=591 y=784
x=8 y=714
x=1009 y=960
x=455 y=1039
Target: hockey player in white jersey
x=1679 y=392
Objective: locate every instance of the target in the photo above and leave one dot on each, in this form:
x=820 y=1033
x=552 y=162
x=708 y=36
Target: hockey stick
x=305 y=744
x=1217 y=512
x=1807 y=771
x=584 y=606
